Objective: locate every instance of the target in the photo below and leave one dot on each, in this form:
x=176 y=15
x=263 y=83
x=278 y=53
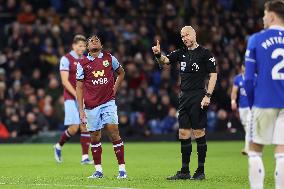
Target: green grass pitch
x=148 y=164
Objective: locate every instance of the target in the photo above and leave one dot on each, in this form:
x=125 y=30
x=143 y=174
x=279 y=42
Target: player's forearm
x=233 y=100
x=234 y=93
x=119 y=80
x=233 y=97
x=79 y=93
x=212 y=83
x=69 y=88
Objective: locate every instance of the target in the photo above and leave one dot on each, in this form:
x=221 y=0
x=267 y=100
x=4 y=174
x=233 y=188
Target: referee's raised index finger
x=158 y=43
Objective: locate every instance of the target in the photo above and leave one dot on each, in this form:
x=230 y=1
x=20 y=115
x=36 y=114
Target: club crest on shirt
x=105 y=63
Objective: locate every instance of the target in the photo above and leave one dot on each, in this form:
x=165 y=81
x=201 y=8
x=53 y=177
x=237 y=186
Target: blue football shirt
x=239 y=82
x=265 y=58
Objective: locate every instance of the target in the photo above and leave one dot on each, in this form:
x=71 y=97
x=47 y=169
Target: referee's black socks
x=186 y=149
x=201 y=152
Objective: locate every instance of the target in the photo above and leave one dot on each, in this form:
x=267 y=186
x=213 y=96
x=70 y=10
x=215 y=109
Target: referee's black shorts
x=191 y=115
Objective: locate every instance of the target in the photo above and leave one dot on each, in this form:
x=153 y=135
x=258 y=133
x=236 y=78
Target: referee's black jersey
x=195 y=66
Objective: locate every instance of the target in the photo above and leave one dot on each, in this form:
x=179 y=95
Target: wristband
x=208 y=95
x=158 y=55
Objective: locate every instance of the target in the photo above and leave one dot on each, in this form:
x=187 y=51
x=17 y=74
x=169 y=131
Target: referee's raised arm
x=161 y=59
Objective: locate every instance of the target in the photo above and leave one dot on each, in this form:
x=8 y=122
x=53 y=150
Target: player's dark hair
x=78 y=38
x=93 y=36
x=276 y=6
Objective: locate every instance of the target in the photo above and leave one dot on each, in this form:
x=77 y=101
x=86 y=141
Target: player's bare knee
x=113 y=132
x=279 y=149
x=198 y=133
x=115 y=138
x=83 y=128
x=73 y=129
x=95 y=139
x=95 y=136
x=255 y=147
x=184 y=134
x=114 y=135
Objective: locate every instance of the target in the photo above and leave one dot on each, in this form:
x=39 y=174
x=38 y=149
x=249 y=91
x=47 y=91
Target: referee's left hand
x=205 y=102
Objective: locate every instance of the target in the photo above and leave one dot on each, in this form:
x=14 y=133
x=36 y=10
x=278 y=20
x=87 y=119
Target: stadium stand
x=36 y=33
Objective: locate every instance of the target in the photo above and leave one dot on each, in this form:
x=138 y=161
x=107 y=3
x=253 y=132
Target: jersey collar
x=92 y=58
x=72 y=53
x=277 y=27
x=194 y=48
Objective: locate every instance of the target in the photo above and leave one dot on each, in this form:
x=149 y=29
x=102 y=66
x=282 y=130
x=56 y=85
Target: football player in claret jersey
x=238 y=91
x=68 y=67
x=96 y=89
x=265 y=57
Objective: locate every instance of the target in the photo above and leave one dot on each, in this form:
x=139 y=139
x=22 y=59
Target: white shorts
x=72 y=116
x=266 y=126
x=244 y=116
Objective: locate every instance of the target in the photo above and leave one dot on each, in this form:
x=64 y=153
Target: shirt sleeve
x=210 y=62
x=250 y=58
x=64 y=64
x=236 y=82
x=80 y=72
x=173 y=56
x=115 y=63
x=250 y=62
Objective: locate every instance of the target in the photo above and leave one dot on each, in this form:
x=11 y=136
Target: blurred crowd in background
x=35 y=34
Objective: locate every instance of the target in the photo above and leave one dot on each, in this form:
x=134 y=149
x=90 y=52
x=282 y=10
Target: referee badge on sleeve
x=212 y=60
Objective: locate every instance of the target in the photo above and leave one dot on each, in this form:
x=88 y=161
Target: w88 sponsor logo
x=100 y=81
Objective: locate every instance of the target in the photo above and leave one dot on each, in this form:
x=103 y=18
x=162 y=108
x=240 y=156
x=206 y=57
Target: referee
x=196 y=64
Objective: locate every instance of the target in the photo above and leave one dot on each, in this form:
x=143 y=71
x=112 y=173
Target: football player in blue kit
x=265 y=57
x=238 y=92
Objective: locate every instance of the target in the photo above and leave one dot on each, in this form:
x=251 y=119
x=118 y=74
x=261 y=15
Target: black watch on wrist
x=158 y=55
x=208 y=95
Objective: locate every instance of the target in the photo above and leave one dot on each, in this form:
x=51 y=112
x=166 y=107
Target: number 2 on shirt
x=276 y=75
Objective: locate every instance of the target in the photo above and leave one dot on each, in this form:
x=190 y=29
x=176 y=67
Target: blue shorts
x=104 y=114
x=72 y=116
